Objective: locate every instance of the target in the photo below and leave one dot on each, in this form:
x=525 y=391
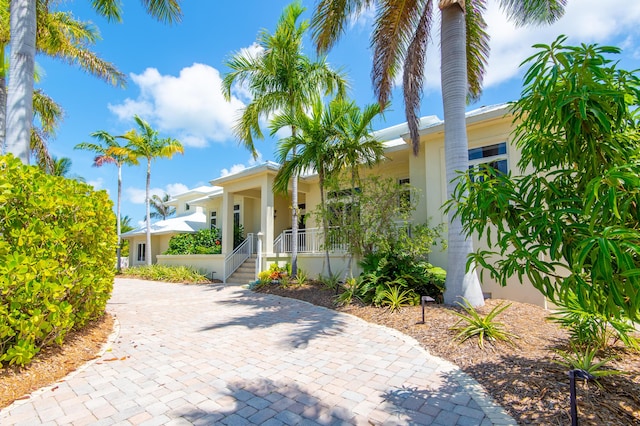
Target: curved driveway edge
x=210 y=354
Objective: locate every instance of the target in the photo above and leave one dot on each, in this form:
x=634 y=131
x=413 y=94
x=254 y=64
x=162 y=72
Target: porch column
x=266 y=213
x=227 y=222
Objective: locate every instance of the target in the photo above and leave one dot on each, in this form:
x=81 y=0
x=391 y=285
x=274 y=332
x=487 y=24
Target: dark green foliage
x=238 y=235
x=57 y=258
x=170 y=274
x=393 y=269
x=205 y=241
x=572 y=227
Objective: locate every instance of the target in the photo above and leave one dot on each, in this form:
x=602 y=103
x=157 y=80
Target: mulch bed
x=524 y=378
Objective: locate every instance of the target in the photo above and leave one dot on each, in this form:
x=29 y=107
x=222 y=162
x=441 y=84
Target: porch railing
x=310 y=240
x=236 y=258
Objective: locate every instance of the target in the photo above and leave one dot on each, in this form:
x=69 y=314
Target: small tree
x=161 y=210
x=571 y=221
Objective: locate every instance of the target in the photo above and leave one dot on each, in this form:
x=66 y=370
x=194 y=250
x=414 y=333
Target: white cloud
x=236 y=168
x=176 y=188
x=138 y=195
x=189 y=107
x=97 y=184
x=586 y=21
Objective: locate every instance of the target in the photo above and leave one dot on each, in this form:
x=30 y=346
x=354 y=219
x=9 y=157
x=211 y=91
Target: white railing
x=241 y=253
x=310 y=240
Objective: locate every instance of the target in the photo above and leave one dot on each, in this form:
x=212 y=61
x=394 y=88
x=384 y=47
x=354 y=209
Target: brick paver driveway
x=224 y=355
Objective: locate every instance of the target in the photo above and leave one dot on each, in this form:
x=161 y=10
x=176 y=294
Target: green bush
x=171 y=274
x=57 y=257
x=393 y=268
x=205 y=241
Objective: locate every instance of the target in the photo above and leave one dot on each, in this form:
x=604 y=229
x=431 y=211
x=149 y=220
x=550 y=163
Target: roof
x=204 y=190
x=249 y=171
x=176 y=225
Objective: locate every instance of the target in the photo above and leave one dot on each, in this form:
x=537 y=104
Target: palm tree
x=58 y=35
x=147 y=144
x=327 y=138
x=61 y=166
x=400 y=36
x=280 y=78
x=23 y=19
x=161 y=210
x=105 y=155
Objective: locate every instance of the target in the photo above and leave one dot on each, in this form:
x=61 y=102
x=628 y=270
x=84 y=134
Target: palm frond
x=477 y=46
x=413 y=76
x=533 y=12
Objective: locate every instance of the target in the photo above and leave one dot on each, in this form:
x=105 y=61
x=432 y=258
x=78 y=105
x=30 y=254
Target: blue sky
x=174 y=75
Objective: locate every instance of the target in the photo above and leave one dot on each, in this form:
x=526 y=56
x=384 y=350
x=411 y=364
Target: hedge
x=57 y=256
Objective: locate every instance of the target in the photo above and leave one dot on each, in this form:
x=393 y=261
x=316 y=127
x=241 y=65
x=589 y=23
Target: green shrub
x=57 y=258
x=483 y=327
x=382 y=269
x=584 y=358
x=171 y=274
x=205 y=241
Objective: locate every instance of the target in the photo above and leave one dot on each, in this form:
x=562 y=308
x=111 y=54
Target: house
x=246 y=198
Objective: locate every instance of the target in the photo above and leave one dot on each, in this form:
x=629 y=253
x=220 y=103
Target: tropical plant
x=572 y=226
x=472 y=324
x=59 y=36
x=350 y=291
x=280 y=79
x=399 y=39
x=584 y=358
x=23 y=44
x=324 y=142
x=301 y=277
x=588 y=329
x=161 y=210
x=146 y=143
x=105 y=155
x=125 y=226
x=395 y=297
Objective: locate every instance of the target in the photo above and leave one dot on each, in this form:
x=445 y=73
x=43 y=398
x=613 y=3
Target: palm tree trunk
x=459 y=283
x=148 y=246
x=325 y=225
x=21 y=67
x=294 y=218
x=118 y=228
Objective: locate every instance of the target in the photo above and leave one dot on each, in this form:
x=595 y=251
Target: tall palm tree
x=105 y=155
x=161 y=210
x=280 y=78
x=58 y=35
x=400 y=36
x=147 y=144
x=23 y=26
x=328 y=137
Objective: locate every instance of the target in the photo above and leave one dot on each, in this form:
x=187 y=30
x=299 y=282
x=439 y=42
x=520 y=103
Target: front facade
x=247 y=198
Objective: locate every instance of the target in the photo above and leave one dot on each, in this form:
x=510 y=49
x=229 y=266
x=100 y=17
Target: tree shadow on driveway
x=266 y=311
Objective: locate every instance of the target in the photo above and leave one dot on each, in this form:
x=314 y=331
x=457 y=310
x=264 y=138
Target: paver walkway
x=225 y=355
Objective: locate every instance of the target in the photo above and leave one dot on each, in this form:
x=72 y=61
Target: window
x=142 y=252
x=494 y=156
x=187 y=206
x=214 y=220
x=340 y=206
x=404 y=198
x=236 y=215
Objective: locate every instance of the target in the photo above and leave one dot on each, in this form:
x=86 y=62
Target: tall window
x=236 y=215
x=214 y=220
x=494 y=156
x=142 y=252
x=404 y=198
x=187 y=206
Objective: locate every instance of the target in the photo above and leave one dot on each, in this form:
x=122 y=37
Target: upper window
x=490 y=156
